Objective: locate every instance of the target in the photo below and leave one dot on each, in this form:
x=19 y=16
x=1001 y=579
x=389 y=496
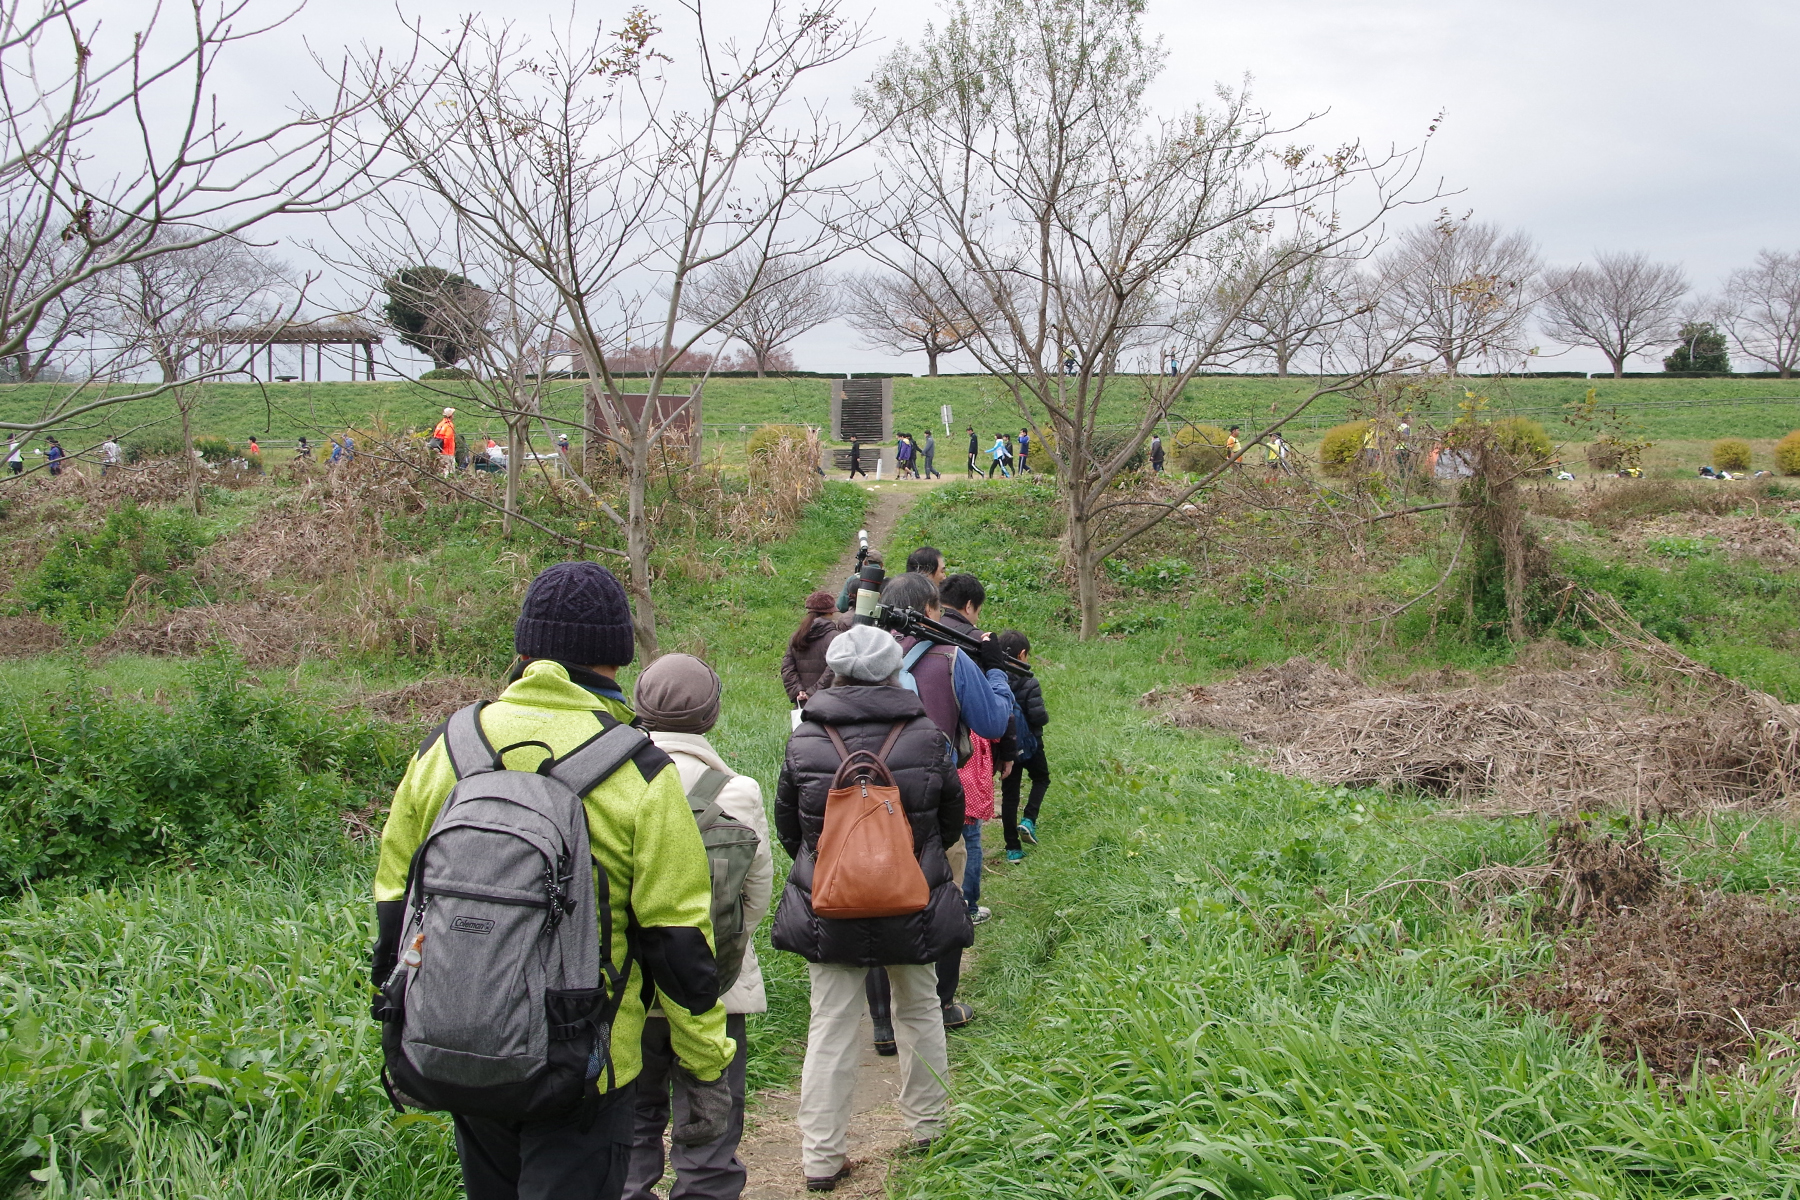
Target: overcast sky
x=1599 y=124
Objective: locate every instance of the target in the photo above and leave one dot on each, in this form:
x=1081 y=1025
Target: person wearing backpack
x=962 y=596
x=1029 y=718
x=677 y=699
x=866 y=732
x=511 y=977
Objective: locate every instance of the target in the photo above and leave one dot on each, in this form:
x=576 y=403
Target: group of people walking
x=570 y=1018
x=999 y=455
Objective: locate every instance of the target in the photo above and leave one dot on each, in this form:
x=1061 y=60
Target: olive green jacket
x=642 y=835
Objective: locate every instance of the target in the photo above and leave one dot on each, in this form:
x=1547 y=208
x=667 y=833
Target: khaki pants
x=828 y=1080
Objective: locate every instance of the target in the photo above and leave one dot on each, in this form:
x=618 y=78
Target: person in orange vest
x=445 y=436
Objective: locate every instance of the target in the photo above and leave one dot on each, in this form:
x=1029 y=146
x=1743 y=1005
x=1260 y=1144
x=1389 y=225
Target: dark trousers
x=932 y=472
x=579 y=1157
x=1039 y=767
x=974 y=471
x=708 y=1172
x=881 y=1001
x=856 y=469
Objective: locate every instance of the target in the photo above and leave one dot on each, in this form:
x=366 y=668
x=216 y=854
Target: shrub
x=1605 y=455
x=1199 y=449
x=89 y=574
x=448 y=373
x=215 y=450
x=1107 y=442
x=1731 y=454
x=768 y=437
x=1341 y=445
x=91 y=785
x=1787 y=454
x=153 y=443
x=1525 y=440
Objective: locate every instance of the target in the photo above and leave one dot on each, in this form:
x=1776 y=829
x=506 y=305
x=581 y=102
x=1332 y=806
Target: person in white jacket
x=677 y=701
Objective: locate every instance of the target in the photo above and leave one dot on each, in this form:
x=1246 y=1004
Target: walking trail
x=771 y=1145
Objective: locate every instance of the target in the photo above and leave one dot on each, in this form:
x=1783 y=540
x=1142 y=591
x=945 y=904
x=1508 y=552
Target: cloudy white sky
x=1593 y=124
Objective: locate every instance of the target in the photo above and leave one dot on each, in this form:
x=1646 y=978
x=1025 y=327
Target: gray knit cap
x=864 y=653
x=677 y=694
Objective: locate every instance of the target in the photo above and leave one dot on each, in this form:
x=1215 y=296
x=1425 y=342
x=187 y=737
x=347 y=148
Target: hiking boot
x=884 y=1039
x=1015 y=856
x=982 y=913
x=828 y=1183
x=1028 y=830
x=957 y=1015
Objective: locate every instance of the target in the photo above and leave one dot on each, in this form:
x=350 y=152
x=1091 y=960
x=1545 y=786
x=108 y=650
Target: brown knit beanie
x=677 y=694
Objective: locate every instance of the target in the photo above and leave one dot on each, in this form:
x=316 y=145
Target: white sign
x=945 y=412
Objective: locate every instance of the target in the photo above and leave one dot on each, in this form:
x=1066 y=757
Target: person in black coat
x=863 y=706
x=1029 y=757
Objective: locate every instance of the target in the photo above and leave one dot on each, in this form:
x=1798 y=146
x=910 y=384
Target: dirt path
x=771 y=1145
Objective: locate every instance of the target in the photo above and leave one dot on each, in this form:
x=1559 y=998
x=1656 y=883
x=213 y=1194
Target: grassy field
x=1697 y=409
x=1200 y=985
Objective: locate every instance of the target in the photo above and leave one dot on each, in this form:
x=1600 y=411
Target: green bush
x=1199 y=449
x=1525 y=440
x=1341 y=445
x=448 y=373
x=1731 y=454
x=153 y=443
x=1107 y=442
x=90 y=785
x=768 y=437
x=89 y=573
x=215 y=450
x=1787 y=454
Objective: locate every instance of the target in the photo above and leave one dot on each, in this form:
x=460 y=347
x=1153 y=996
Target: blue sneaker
x=1015 y=856
x=1028 y=830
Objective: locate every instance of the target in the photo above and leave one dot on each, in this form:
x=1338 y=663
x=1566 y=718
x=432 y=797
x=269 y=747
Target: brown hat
x=821 y=602
x=677 y=694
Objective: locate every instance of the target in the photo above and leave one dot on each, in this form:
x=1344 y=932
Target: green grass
x=1663 y=408
x=1195 y=988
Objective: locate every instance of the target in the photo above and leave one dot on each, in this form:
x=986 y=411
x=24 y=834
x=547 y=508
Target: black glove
x=989 y=655
x=709 y=1109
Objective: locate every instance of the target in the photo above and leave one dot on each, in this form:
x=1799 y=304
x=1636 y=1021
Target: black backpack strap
x=586 y=766
x=470 y=751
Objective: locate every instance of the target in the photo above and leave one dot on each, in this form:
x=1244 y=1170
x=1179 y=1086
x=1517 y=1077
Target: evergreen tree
x=1701 y=347
x=435 y=312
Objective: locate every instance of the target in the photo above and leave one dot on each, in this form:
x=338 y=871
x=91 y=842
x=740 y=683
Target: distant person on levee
x=652 y=903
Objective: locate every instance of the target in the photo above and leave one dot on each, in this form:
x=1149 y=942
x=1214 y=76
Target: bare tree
x=69 y=313
x=764 y=309
x=162 y=307
x=904 y=313
x=1036 y=188
x=1295 y=299
x=110 y=140
x=577 y=160
x=1762 y=310
x=1622 y=305
x=1467 y=289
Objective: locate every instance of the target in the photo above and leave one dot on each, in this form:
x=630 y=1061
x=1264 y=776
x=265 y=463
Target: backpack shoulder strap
x=470 y=751
x=892 y=737
x=585 y=767
x=706 y=789
x=918 y=651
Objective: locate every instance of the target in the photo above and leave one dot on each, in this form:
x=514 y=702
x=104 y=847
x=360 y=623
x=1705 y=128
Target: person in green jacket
x=573 y=633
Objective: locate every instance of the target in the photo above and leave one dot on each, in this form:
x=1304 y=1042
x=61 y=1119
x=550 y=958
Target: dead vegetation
x=428 y=701
x=1583 y=735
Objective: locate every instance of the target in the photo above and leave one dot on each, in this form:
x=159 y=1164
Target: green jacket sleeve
x=428 y=782
x=671 y=897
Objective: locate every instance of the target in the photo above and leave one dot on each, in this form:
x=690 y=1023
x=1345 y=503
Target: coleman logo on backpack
x=503 y=1001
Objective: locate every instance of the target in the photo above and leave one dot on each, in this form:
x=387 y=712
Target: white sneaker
x=982 y=912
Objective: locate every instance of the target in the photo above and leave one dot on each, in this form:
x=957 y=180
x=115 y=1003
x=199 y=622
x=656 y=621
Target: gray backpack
x=730 y=851
x=497 y=1006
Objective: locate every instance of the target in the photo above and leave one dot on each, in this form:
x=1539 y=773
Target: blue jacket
x=986 y=699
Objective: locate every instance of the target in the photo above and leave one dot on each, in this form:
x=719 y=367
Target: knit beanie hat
x=865 y=653
x=821 y=602
x=677 y=694
x=576 y=612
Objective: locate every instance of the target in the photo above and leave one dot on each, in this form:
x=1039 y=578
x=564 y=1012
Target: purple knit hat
x=576 y=612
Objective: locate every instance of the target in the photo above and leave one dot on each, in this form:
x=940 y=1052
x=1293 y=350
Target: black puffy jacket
x=932 y=795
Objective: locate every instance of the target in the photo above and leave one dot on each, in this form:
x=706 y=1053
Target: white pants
x=828 y=1081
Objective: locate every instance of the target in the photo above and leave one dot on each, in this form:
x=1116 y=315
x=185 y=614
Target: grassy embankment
x=1681 y=414
x=1198 y=985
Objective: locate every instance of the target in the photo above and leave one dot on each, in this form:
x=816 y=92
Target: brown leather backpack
x=865 y=865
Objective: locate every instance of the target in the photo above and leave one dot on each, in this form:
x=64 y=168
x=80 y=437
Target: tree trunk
x=514 y=448
x=1281 y=363
x=1618 y=365
x=637 y=548
x=759 y=364
x=187 y=448
x=1081 y=557
x=931 y=357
